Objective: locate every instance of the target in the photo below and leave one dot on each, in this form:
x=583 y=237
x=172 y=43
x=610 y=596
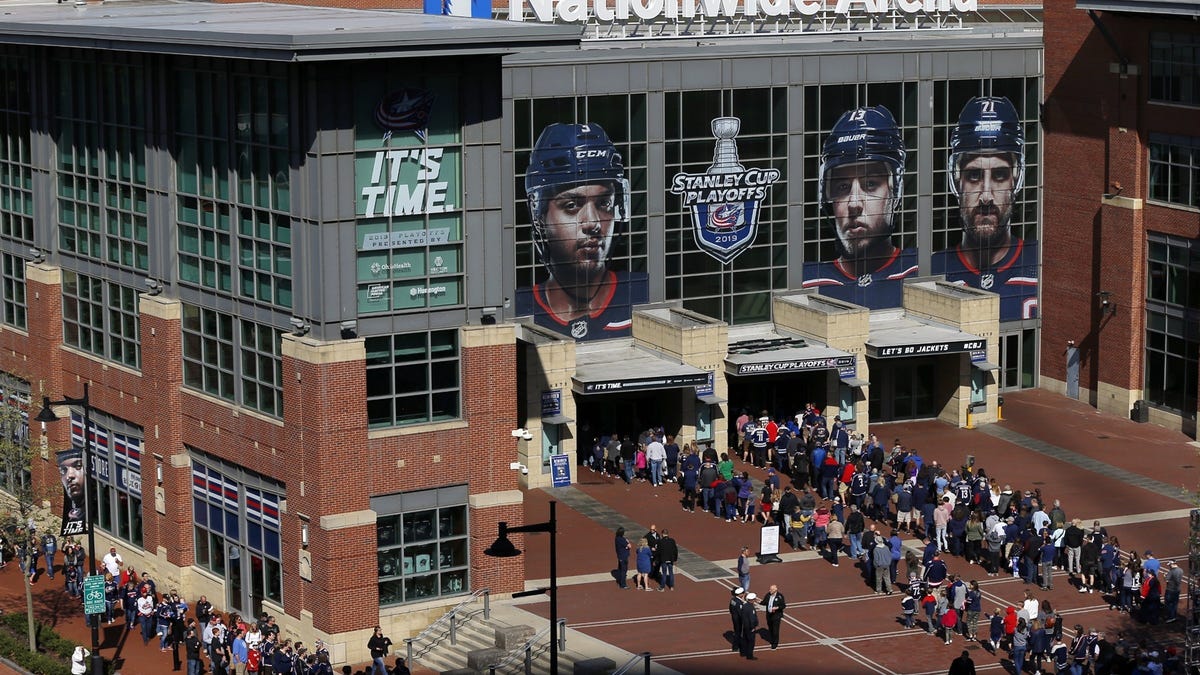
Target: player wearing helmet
x=986 y=169
x=578 y=197
x=860 y=185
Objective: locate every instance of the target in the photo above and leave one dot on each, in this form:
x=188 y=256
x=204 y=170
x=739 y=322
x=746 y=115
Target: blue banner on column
x=560 y=467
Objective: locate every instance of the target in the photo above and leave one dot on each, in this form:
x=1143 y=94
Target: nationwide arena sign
x=607 y=11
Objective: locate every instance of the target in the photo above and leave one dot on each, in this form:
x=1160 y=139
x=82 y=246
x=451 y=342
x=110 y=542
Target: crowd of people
x=848 y=494
x=211 y=641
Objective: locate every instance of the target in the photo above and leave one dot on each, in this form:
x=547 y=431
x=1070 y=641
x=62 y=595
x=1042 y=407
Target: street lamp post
x=503 y=548
x=47 y=415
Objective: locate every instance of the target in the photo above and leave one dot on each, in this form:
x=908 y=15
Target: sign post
x=93 y=594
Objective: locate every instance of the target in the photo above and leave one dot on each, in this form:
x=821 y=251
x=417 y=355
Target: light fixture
x=517 y=466
x=487 y=315
x=1107 y=306
x=523 y=434
x=303 y=534
x=38 y=254
x=300 y=326
x=153 y=286
x=84 y=525
x=349 y=329
x=158 y=473
x=503 y=548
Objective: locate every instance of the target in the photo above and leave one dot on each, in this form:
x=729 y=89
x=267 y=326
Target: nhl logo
x=579 y=329
x=727 y=198
x=986 y=281
x=864 y=280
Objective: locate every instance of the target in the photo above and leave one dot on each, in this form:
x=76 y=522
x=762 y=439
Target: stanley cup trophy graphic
x=730 y=216
x=725 y=199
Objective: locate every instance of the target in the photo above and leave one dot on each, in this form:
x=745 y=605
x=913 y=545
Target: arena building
x=1123 y=206
x=328 y=272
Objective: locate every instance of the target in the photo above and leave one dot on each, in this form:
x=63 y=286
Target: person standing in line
x=743 y=569
x=1172 y=588
x=191 y=646
x=622 y=547
x=774 y=603
x=240 y=652
x=379 y=644
x=749 y=626
x=668 y=555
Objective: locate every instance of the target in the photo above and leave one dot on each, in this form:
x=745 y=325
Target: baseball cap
x=1148 y=552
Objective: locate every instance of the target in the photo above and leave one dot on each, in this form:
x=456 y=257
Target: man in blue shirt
x=240 y=652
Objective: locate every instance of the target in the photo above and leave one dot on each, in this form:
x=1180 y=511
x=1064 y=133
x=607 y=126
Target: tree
x=16 y=480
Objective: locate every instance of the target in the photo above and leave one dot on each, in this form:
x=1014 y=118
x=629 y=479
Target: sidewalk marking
x=1084 y=462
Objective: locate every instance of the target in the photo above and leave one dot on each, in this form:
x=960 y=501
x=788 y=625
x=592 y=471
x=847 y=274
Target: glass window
x=14 y=429
x=102 y=318
x=1172 y=345
x=423 y=553
x=1175 y=169
x=117 y=471
x=213 y=353
x=233 y=175
x=101 y=165
x=15 y=311
x=16 y=169
x=413 y=378
x=1175 y=68
x=236 y=507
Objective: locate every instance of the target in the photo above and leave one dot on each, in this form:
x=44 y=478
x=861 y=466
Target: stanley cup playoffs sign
x=726 y=199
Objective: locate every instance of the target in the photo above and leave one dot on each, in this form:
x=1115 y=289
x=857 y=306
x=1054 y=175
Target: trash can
x=1140 y=412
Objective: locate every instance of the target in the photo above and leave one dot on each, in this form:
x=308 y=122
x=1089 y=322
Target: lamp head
x=502 y=547
x=46 y=414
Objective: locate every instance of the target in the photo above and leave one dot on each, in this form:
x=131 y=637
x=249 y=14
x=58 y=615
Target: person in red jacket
x=1010 y=623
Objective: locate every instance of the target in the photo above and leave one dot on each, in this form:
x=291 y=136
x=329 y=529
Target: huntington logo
x=726 y=199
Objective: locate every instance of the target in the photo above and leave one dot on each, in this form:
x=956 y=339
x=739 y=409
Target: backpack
x=1145 y=590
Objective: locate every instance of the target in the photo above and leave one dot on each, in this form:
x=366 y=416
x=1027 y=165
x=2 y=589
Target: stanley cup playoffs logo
x=726 y=199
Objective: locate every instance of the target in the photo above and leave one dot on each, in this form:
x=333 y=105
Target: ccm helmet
x=987 y=125
x=567 y=155
x=863 y=135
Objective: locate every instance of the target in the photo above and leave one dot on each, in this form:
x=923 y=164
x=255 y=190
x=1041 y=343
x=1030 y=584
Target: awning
x=619 y=366
x=855 y=382
x=985 y=365
x=787 y=359
x=895 y=335
x=557 y=419
x=711 y=399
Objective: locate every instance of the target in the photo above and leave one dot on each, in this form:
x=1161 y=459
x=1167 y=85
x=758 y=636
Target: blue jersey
x=1014 y=279
x=614 y=318
x=880 y=288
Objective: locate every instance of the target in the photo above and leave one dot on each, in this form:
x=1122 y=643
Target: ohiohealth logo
x=725 y=200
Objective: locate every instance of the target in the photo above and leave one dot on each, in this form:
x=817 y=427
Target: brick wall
x=1097 y=124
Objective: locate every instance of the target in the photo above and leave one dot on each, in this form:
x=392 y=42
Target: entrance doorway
x=903 y=389
x=782 y=396
x=626 y=414
x=1018 y=360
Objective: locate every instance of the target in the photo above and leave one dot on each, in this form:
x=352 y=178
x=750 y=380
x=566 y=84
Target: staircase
x=474 y=632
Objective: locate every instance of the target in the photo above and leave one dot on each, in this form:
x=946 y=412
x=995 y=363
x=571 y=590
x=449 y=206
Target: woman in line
x=644 y=555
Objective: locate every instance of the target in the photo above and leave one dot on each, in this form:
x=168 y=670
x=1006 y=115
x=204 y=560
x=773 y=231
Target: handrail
x=526 y=651
x=628 y=667
x=450 y=617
